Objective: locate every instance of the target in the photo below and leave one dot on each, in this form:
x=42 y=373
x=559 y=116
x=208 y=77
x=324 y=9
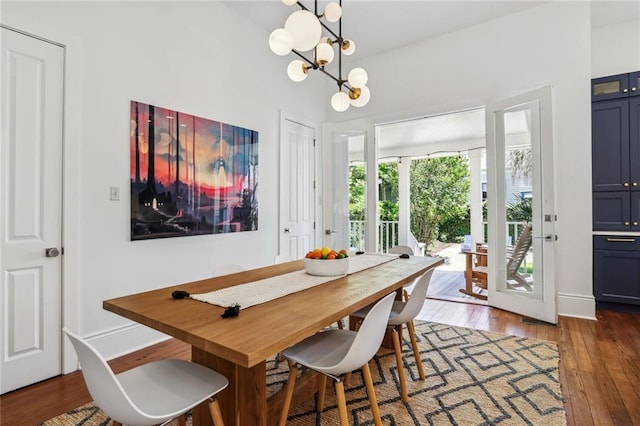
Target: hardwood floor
x=599 y=365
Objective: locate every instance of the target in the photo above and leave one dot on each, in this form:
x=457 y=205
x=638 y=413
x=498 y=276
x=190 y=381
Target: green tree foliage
x=356 y=192
x=439 y=194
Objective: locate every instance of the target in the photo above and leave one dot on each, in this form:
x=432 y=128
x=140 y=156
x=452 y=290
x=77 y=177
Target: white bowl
x=326 y=267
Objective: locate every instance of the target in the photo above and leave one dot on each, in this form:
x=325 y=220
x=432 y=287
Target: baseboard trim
x=577 y=306
x=124 y=340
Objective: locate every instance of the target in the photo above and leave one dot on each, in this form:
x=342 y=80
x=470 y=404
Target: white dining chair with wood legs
x=405 y=313
x=402 y=250
x=149 y=394
x=333 y=353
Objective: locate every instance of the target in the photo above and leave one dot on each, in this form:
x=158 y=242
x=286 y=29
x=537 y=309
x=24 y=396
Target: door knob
x=51 y=252
x=329 y=232
x=287 y=230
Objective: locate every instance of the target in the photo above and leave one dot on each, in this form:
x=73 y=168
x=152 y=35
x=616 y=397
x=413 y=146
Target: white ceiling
x=378 y=26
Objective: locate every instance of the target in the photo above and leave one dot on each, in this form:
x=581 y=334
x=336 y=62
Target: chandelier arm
x=313 y=64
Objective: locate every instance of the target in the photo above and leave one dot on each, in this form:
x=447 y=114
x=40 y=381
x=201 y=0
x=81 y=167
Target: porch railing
x=388 y=234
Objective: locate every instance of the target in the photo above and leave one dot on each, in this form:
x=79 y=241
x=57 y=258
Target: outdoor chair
x=476 y=271
x=149 y=394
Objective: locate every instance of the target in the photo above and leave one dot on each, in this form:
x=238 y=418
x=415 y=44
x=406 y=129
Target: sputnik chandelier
x=303 y=32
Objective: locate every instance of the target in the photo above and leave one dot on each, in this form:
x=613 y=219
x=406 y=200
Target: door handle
x=329 y=232
x=51 y=252
x=287 y=230
x=548 y=237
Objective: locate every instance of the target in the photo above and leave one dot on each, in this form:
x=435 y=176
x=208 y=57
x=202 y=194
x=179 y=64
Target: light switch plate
x=115 y=193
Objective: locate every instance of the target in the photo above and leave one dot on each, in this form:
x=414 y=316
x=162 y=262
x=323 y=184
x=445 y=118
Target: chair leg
x=322 y=386
x=216 y=414
x=340 y=325
x=398 y=350
x=347 y=378
x=182 y=420
x=342 y=404
x=293 y=372
x=372 y=395
x=406 y=295
x=416 y=351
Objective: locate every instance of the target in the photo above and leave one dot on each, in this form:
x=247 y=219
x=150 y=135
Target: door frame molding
x=317 y=176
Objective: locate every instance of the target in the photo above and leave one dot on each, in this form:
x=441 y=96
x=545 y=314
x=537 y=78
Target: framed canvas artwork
x=190 y=175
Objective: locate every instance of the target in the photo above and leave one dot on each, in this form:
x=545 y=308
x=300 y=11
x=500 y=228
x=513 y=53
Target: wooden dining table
x=239 y=347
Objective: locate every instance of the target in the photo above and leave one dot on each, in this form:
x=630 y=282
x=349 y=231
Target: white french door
x=31 y=74
x=349 y=146
x=520 y=149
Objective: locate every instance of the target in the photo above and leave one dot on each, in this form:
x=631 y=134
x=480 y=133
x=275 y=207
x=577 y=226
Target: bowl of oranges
x=326 y=262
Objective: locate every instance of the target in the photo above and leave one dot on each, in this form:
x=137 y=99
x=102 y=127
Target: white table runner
x=262 y=291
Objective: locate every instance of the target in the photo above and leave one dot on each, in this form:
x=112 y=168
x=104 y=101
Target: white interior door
x=32 y=73
x=297 y=189
x=520 y=149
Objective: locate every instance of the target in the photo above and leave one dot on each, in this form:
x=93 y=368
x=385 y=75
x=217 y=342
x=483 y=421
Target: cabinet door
x=610 y=145
x=615 y=276
x=634 y=84
x=634 y=142
x=610 y=87
x=611 y=211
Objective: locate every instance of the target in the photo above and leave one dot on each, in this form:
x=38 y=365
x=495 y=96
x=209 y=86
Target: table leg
x=244 y=401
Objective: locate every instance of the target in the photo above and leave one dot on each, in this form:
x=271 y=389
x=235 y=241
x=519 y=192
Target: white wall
x=615 y=49
x=196 y=57
x=545 y=45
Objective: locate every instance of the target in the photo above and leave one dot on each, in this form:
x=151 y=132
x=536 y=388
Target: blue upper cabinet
x=611 y=87
x=634 y=84
x=610 y=146
x=615 y=152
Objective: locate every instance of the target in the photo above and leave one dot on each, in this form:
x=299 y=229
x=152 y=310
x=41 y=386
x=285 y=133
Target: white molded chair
x=152 y=393
x=404 y=313
x=334 y=353
x=227 y=268
x=402 y=250
x=281 y=259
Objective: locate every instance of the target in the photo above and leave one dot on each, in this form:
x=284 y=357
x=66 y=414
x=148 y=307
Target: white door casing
x=32 y=75
x=539 y=301
x=297 y=189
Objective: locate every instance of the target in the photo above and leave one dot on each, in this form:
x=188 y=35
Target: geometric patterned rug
x=472 y=378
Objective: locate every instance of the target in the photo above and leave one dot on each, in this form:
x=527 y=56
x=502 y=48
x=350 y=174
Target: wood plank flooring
x=599 y=367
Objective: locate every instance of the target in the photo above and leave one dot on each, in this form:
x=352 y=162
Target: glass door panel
x=521 y=218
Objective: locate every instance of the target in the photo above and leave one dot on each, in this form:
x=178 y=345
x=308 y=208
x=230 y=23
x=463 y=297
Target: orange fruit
x=331 y=256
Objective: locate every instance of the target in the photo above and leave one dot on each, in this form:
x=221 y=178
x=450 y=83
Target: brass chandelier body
x=304 y=31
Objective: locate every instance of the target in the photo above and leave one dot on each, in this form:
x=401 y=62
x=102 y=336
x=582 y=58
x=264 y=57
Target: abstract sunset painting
x=190 y=175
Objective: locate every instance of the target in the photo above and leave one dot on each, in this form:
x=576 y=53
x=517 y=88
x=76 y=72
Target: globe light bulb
x=281 y=42
x=363 y=98
x=324 y=54
x=297 y=70
x=305 y=29
x=332 y=12
x=357 y=77
x=340 y=101
x=348 y=47
x=289 y=2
